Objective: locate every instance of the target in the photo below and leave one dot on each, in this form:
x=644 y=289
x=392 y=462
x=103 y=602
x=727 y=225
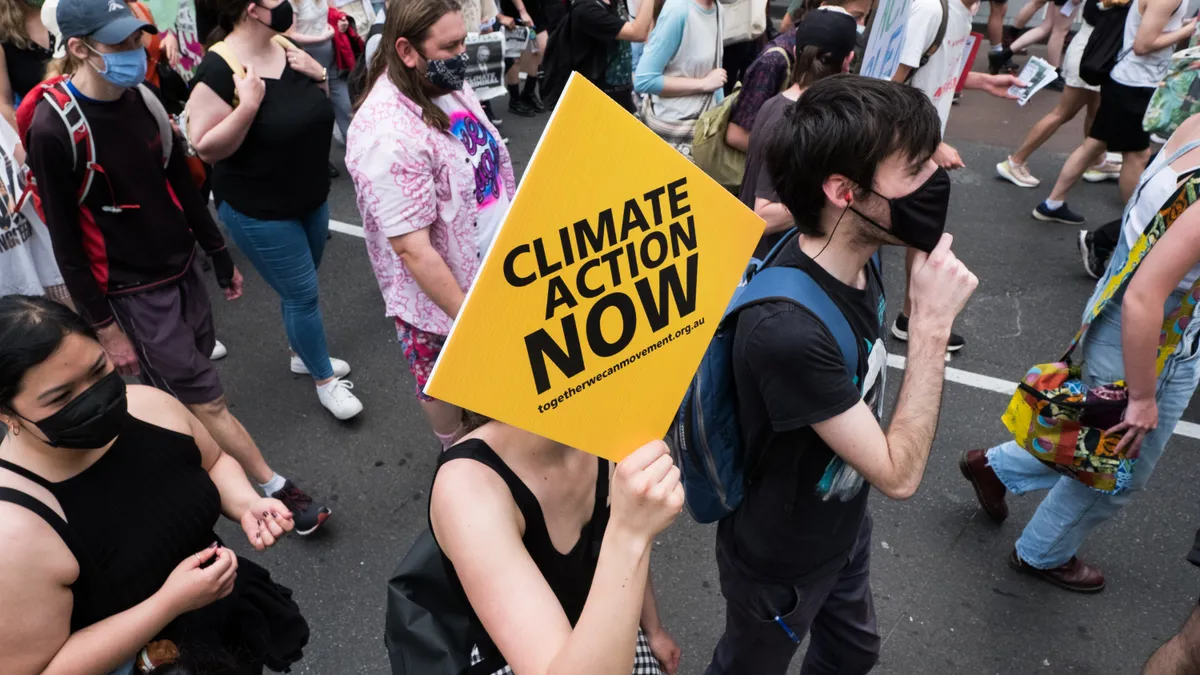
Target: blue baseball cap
x=108 y=22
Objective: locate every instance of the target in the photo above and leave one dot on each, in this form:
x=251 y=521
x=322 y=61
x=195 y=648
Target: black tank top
x=131 y=517
x=570 y=575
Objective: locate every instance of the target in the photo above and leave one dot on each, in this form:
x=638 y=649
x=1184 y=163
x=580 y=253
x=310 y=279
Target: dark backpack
x=356 y=81
x=558 y=64
x=708 y=437
x=938 y=39
x=428 y=631
x=1103 y=48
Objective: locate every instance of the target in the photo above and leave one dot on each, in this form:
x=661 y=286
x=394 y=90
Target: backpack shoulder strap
x=787 y=80
x=941 y=33
x=789 y=284
x=224 y=51
x=165 y=131
x=283 y=42
x=64 y=103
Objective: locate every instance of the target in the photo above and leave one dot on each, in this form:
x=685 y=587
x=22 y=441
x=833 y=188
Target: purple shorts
x=171 y=328
x=421 y=348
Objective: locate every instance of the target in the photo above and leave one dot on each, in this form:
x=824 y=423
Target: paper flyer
x=485 y=65
x=603 y=287
x=1036 y=74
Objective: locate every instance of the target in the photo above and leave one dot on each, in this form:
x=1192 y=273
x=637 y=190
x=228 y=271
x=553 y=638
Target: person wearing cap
x=824 y=46
x=769 y=74
x=129 y=262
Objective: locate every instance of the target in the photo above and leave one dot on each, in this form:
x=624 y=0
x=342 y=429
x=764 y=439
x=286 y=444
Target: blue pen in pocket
x=790 y=633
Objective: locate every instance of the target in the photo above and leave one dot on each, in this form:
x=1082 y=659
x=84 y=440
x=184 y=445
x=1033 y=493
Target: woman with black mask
x=267 y=132
x=113 y=492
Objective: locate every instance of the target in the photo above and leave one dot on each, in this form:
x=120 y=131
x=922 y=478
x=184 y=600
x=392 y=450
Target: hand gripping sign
x=603 y=287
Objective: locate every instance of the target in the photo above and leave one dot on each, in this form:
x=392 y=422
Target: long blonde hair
x=66 y=64
x=410 y=19
x=12 y=24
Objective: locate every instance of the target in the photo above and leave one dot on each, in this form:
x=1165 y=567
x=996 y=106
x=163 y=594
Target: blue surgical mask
x=124 y=69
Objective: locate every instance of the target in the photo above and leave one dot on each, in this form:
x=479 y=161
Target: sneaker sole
x=321 y=518
x=1086 y=590
x=902 y=335
x=1051 y=219
x=1099 y=178
x=1083 y=253
x=1008 y=176
x=966 y=472
x=343 y=417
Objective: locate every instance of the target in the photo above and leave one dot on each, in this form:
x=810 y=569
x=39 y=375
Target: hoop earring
x=15 y=430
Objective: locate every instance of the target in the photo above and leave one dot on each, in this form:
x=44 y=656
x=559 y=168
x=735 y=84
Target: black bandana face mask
x=447 y=74
x=282 y=16
x=919 y=219
x=92 y=420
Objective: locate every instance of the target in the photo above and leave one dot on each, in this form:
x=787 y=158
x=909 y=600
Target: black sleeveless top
x=132 y=517
x=569 y=575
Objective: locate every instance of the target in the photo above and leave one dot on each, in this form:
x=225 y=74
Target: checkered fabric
x=644 y=662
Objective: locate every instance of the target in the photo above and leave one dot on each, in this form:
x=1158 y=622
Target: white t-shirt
x=484 y=151
x=27 y=264
x=938 y=78
x=311 y=17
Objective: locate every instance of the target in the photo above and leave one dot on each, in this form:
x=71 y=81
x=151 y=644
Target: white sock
x=1053 y=204
x=274 y=485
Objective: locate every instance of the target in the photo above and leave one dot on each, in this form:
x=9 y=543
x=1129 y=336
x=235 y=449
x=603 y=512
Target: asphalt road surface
x=946 y=600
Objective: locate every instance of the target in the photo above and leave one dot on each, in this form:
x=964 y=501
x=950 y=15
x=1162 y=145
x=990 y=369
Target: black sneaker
x=1060 y=215
x=998 y=58
x=1057 y=83
x=1093 y=264
x=307 y=514
x=900 y=332
x=333 y=171
x=521 y=107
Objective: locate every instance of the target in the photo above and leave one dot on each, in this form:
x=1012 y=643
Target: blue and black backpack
x=708 y=437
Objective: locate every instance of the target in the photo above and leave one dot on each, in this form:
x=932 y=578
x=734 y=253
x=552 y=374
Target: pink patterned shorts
x=421 y=348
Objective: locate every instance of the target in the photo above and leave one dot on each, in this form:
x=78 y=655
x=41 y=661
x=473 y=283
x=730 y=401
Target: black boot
x=530 y=95
x=997 y=58
x=517 y=104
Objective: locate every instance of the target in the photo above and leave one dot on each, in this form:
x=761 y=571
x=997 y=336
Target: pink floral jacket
x=408 y=176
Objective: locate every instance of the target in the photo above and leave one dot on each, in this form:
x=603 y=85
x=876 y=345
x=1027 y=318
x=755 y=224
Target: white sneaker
x=1103 y=171
x=219 y=352
x=340 y=367
x=337 y=399
x=1017 y=174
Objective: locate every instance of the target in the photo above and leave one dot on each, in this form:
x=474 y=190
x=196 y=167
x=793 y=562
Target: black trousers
x=836 y=612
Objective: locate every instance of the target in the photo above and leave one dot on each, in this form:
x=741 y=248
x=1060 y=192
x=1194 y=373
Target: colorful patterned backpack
x=1063 y=422
x=1177 y=96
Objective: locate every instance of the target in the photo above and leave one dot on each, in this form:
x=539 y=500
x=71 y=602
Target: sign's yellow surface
x=602 y=289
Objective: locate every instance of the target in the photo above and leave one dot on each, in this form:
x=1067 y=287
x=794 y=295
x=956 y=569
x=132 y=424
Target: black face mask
x=92 y=420
x=918 y=219
x=281 y=16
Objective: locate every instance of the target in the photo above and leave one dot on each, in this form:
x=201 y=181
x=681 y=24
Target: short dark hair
x=848 y=125
x=31 y=329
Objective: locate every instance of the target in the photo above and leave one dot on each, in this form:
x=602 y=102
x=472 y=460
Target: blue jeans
x=286 y=254
x=1071 y=510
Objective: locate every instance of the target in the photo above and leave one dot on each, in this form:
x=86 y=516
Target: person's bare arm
x=690 y=86
x=901 y=74
x=1141 y=321
x=737 y=137
x=776 y=215
x=6 y=95
x=1150 y=36
x=430 y=271
x=215 y=128
x=639 y=29
x=894 y=462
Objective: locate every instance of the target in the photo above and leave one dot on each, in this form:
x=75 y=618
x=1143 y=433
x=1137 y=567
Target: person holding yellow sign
x=852 y=161
x=433 y=181
x=551 y=547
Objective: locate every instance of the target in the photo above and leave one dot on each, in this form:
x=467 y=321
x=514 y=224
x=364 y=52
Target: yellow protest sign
x=602 y=288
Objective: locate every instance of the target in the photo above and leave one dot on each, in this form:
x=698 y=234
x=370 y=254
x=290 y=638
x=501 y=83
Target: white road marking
x=955 y=375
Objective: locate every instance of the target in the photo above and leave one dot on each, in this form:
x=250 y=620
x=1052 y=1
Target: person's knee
x=211 y=410
x=1189 y=641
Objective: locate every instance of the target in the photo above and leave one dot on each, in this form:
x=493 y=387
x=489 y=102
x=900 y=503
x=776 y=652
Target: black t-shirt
x=803 y=505
x=281 y=170
x=757 y=181
x=602 y=58
x=26 y=67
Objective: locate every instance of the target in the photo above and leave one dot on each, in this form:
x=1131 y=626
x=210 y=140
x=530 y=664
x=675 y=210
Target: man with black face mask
x=852 y=163
x=428 y=230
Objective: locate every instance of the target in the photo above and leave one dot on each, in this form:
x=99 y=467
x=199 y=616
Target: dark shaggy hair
x=847 y=125
x=31 y=329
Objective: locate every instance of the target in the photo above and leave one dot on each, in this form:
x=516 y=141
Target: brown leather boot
x=988 y=489
x=1076 y=575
